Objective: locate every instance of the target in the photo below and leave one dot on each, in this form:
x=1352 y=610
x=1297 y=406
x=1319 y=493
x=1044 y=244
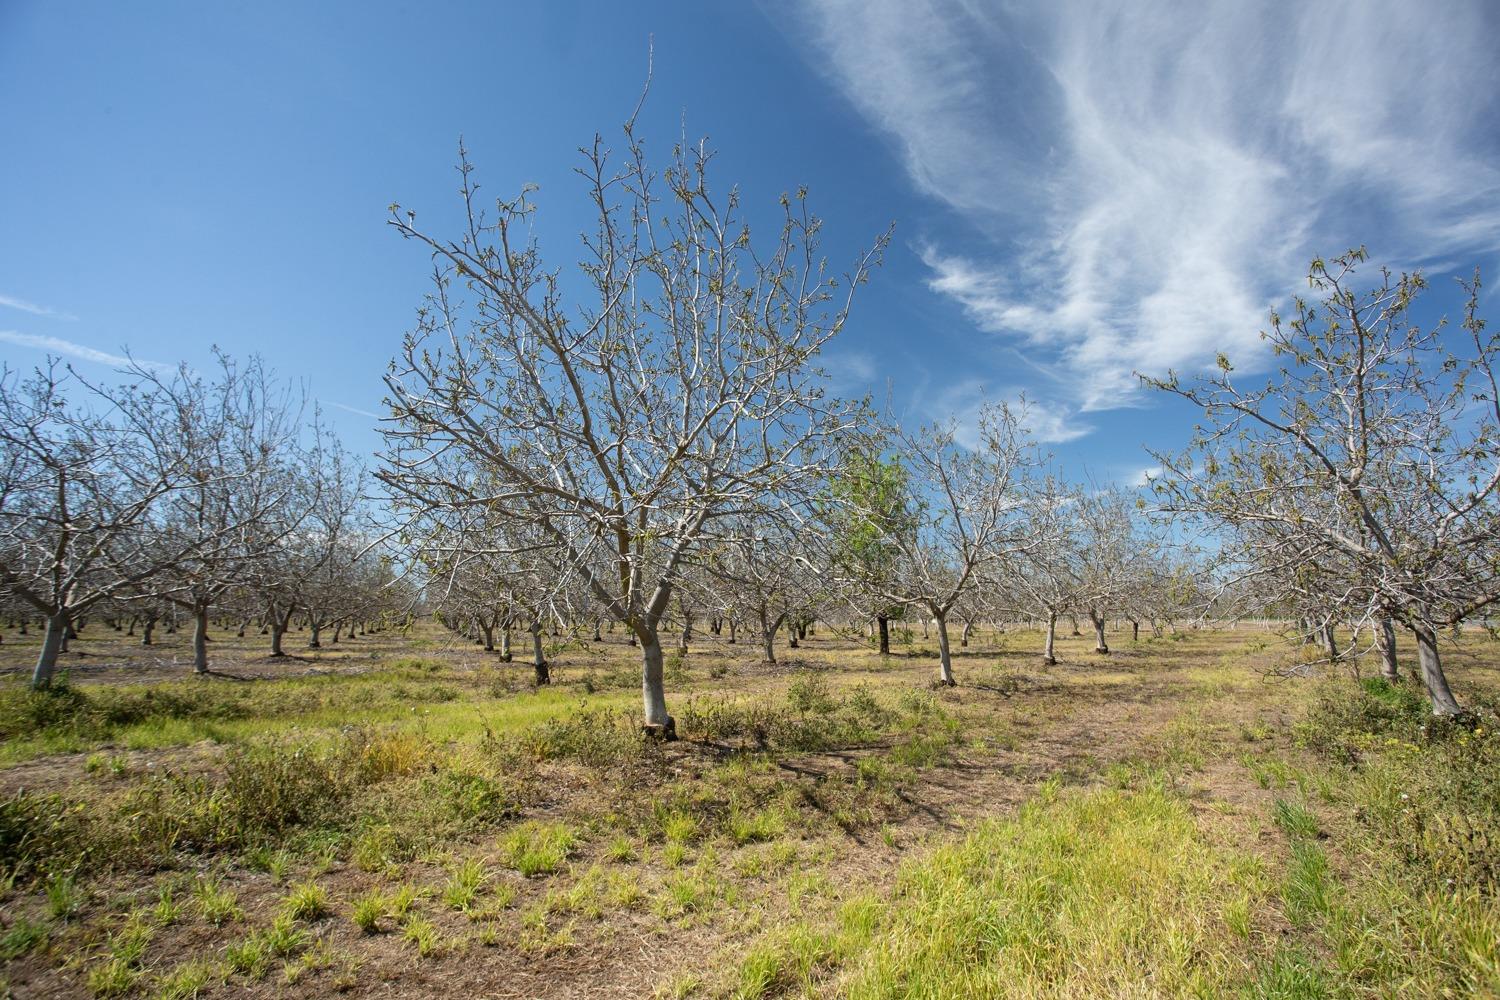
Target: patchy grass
x=1163 y=822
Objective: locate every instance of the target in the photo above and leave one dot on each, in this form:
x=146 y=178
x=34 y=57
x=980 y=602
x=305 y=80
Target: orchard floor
x=1133 y=824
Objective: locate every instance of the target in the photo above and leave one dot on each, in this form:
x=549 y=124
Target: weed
x=1295 y=819
x=307 y=901
x=536 y=848
x=216 y=904
x=368 y=911
x=167 y=910
x=64 y=896
x=422 y=933
x=186 y=981
x=621 y=850
x=20 y=938
x=464 y=883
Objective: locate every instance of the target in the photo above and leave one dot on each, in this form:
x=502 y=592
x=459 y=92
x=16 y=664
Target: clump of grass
x=368 y=911
x=216 y=904
x=307 y=901
x=167 y=910
x=464 y=884
x=537 y=848
x=748 y=827
x=1305 y=893
x=252 y=956
x=112 y=978
x=64 y=896
x=401 y=903
x=1295 y=819
x=421 y=932
x=621 y=850
x=186 y=981
x=20 y=938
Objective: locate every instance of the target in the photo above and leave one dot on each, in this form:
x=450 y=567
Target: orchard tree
x=620 y=412
x=869 y=506
x=962 y=520
x=1374 y=446
x=84 y=487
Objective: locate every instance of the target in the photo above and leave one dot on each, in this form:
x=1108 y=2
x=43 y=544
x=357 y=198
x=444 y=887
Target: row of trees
x=651 y=440
x=665 y=446
x=177 y=495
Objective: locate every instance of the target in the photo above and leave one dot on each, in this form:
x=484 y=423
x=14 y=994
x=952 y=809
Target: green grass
x=1132 y=873
x=1102 y=893
x=307 y=901
x=538 y=848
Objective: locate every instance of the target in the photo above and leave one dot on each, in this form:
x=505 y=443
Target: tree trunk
x=732 y=639
x=686 y=635
x=279 y=624
x=653 y=692
x=1135 y=630
x=597 y=636
x=963 y=639
x=147 y=627
x=539 y=661
x=1049 y=652
x=1100 y=646
x=316 y=641
x=768 y=629
x=1385 y=638
x=505 y=653
x=945 y=659
x=1074 y=620
x=489 y=636
x=885 y=634
x=46 y=661
x=1328 y=642
x=1443 y=702
x=200 y=640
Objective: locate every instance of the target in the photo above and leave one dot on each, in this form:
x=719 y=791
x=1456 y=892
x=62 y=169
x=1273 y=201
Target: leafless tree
x=962 y=518
x=1373 y=447
x=676 y=389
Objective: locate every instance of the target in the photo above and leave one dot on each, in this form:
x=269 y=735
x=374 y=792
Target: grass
x=307 y=901
x=368 y=910
x=537 y=848
x=832 y=827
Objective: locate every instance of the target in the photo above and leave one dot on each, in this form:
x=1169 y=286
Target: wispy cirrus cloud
x=11 y=302
x=1148 y=180
x=81 y=352
x=351 y=409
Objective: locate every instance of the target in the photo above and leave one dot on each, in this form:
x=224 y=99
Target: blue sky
x=1078 y=190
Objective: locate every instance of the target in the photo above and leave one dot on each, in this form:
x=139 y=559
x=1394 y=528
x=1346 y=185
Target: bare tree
x=677 y=391
x=83 y=487
x=962 y=517
x=1374 y=446
x=240 y=435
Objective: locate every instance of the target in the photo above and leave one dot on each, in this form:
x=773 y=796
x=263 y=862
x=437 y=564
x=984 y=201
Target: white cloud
x=12 y=302
x=1151 y=179
x=67 y=348
x=962 y=401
